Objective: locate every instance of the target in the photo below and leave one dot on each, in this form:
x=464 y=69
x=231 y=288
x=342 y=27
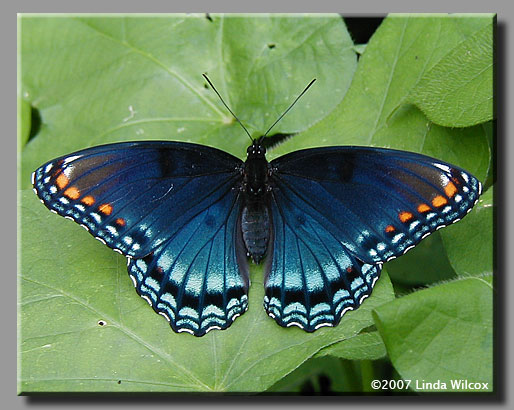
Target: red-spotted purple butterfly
x=188 y=216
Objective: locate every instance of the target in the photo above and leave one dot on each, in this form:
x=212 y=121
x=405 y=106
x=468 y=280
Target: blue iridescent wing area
x=171 y=209
x=193 y=279
x=340 y=212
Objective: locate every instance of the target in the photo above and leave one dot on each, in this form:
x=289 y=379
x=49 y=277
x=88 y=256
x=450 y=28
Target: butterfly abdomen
x=255 y=226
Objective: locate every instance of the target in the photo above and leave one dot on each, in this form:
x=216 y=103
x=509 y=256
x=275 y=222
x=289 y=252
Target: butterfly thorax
x=255 y=220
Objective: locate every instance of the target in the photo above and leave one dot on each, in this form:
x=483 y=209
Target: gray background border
x=503 y=195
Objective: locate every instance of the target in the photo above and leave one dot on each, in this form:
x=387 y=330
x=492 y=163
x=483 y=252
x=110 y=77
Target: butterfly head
x=256 y=150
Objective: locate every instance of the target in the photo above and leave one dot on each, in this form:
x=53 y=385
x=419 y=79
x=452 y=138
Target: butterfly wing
x=171 y=208
x=340 y=212
x=193 y=279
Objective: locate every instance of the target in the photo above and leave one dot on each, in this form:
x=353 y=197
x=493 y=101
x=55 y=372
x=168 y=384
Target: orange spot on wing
x=62 y=180
x=105 y=209
x=405 y=216
x=450 y=190
x=423 y=208
x=439 y=200
x=88 y=200
x=120 y=221
x=72 y=192
x=389 y=228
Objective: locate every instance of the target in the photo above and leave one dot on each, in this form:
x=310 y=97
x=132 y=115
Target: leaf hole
x=102 y=323
x=119 y=381
x=271 y=46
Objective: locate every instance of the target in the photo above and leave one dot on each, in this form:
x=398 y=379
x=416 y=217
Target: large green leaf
x=458 y=90
x=441 y=334
x=375 y=110
x=84 y=328
x=98 y=80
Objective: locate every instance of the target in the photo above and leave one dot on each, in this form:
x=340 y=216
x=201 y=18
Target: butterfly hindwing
x=313 y=279
x=172 y=208
x=340 y=212
x=193 y=279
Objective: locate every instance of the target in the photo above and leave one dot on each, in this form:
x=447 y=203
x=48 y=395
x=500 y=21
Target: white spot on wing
x=443 y=167
x=72 y=158
x=100 y=239
x=322 y=324
x=211 y=328
x=408 y=249
x=165 y=315
x=362 y=299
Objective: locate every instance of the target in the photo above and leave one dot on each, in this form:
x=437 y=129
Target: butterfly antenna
x=291 y=106
x=226 y=106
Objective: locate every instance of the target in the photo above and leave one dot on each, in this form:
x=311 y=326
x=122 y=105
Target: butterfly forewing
x=377 y=202
x=134 y=196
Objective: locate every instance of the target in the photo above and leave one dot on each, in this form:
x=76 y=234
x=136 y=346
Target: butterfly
x=189 y=217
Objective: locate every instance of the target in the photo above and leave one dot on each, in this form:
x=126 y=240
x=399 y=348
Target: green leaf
x=441 y=334
x=99 y=80
x=364 y=346
x=307 y=378
x=425 y=264
x=374 y=110
x=24 y=121
x=69 y=282
x=474 y=256
x=458 y=90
